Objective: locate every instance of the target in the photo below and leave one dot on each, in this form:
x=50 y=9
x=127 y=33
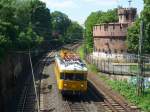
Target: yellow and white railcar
x=71 y=73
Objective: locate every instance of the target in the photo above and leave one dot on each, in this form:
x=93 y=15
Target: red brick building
x=110 y=37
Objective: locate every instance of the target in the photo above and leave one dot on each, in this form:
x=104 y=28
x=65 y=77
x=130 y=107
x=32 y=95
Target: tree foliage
x=134 y=31
x=60 y=22
x=64 y=29
x=133 y=37
x=97 y=18
x=17 y=26
x=74 y=32
x=27 y=24
x=41 y=19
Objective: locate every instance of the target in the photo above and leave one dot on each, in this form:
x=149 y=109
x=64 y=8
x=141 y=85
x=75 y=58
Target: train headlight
x=65 y=84
x=82 y=85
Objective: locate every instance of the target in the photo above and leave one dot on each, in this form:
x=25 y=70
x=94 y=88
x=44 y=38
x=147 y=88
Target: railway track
x=111 y=101
x=107 y=103
x=27 y=100
x=75 y=105
x=97 y=99
x=94 y=101
x=89 y=102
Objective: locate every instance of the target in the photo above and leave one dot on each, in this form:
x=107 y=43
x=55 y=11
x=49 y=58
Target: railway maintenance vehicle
x=71 y=73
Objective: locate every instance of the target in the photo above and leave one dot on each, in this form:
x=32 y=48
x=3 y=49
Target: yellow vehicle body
x=72 y=85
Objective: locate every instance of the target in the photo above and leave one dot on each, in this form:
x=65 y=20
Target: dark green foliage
x=134 y=31
x=97 y=18
x=28 y=39
x=41 y=19
x=133 y=37
x=23 y=24
x=60 y=22
x=28 y=24
x=64 y=29
x=74 y=32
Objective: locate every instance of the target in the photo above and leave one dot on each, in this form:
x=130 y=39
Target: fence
x=128 y=67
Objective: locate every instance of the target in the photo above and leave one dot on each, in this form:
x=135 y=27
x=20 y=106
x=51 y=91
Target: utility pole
x=33 y=78
x=140 y=80
x=130 y=3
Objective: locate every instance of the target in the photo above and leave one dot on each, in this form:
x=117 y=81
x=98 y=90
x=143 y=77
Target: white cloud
x=56 y=4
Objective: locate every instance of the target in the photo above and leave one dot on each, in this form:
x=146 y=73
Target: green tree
x=146 y=18
x=60 y=23
x=23 y=14
x=29 y=23
x=134 y=31
x=23 y=24
x=29 y=39
x=97 y=18
x=41 y=19
x=74 y=32
x=133 y=37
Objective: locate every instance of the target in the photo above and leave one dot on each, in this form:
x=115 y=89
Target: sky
x=79 y=10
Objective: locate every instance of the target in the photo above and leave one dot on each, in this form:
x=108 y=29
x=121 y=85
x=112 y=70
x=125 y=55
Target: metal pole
x=140 y=63
x=34 y=82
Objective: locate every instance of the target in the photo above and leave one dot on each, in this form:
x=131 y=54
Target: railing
x=128 y=67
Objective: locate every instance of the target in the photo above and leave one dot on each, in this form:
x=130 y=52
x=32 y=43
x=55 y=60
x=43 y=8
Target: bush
x=129 y=92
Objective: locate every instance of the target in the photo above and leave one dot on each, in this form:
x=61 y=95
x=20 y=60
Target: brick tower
x=110 y=38
x=126 y=15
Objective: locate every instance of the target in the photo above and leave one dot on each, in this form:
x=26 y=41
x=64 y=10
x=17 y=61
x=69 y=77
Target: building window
x=113 y=27
x=100 y=27
x=120 y=26
x=127 y=17
x=105 y=27
x=112 y=33
x=106 y=43
x=115 y=51
x=121 y=51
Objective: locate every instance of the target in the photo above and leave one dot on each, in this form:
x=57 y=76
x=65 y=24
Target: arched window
x=115 y=51
x=121 y=50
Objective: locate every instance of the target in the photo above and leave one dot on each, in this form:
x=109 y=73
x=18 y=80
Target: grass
x=80 y=51
x=128 y=90
x=90 y=67
x=134 y=68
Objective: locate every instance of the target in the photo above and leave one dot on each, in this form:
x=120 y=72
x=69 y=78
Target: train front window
x=71 y=76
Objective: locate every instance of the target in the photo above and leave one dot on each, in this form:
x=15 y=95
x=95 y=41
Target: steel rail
x=24 y=101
